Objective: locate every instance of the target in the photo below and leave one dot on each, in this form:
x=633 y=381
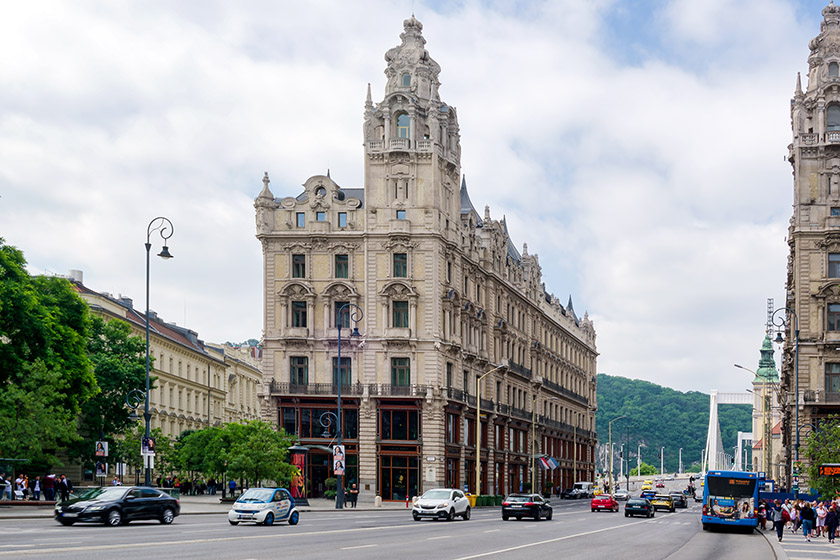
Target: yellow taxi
x=663 y=501
x=647 y=485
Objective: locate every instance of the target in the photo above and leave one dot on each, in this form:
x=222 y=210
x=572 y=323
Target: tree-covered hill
x=662 y=417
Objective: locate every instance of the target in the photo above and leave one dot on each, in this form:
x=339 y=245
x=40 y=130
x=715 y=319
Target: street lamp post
x=680 y=466
x=164 y=227
x=662 y=461
x=355 y=314
x=478 y=381
x=639 y=461
x=783 y=322
x=611 y=452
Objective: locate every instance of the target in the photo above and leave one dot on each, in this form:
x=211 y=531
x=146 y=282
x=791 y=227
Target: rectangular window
x=449 y=374
x=452 y=427
x=449 y=272
x=298 y=313
x=834 y=316
x=345 y=371
x=342 y=316
x=399 y=424
x=298 y=266
x=289 y=421
x=834 y=265
x=342 y=219
x=300 y=219
x=400 y=314
x=342 y=266
x=401 y=214
x=400 y=372
x=835 y=211
x=298 y=370
x=832 y=378
x=400 y=265
x=321 y=216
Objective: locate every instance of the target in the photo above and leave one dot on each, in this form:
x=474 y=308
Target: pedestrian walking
x=807 y=514
x=777 y=515
x=36 y=489
x=64 y=487
x=831 y=522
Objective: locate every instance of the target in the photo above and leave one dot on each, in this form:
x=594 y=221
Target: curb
x=778 y=551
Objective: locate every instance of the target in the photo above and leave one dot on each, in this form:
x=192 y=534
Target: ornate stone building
x=813 y=276
x=446 y=298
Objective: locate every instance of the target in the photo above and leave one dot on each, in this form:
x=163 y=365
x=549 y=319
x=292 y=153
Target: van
x=585 y=489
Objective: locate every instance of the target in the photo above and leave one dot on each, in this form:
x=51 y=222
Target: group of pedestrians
x=818 y=519
x=24 y=488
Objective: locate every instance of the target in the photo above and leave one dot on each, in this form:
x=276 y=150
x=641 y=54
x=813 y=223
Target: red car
x=604 y=501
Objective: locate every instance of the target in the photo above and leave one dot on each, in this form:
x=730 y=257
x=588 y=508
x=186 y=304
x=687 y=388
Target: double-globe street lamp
x=783 y=322
x=164 y=227
x=354 y=314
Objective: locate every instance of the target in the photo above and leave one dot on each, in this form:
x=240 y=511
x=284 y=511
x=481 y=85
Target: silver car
x=441 y=503
x=621 y=495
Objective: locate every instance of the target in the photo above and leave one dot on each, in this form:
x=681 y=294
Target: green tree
x=128 y=449
x=45 y=372
x=823 y=446
x=646 y=470
x=119 y=365
x=258 y=452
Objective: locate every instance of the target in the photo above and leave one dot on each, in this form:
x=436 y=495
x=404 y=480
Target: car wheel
x=673 y=510
x=653 y=514
x=269 y=519
x=415 y=516
x=466 y=515
x=451 y=515
x=233 y=522
x=593 y=510
x=550 y=514
x=294 y=518
x=113 y=518
x=505 y=517
x=167 y=516
x=537 y=515
x=66 y=522
x=626 y=514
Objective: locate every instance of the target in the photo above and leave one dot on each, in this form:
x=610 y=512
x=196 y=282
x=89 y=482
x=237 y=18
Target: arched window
x=406 y=79
x=833 y=70
x=402 y=125
x=832 y=117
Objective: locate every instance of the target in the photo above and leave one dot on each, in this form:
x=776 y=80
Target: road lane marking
x=493 y=531
x=360 y=546
x=558 y=539
x=440 y=537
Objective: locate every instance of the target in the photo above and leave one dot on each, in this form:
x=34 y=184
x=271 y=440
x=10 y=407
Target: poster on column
x=338 y=460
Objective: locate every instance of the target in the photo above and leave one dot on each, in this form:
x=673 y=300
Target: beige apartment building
x=444 y=298
x=198 y=384
x=811 y=362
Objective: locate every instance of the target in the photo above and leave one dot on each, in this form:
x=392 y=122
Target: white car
x=441 y=503
x=264 y=506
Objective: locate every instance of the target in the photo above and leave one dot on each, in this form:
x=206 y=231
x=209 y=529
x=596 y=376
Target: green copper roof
x=767 y=364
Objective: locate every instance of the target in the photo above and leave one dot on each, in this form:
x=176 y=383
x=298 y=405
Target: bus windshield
x=731 y=487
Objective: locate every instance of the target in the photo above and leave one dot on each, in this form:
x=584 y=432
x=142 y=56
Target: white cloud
x=649 y=178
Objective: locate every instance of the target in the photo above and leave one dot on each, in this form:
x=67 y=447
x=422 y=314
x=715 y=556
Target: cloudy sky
x=637 y=146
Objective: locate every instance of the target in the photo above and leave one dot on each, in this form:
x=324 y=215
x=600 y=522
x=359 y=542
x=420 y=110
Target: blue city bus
x=730 y=498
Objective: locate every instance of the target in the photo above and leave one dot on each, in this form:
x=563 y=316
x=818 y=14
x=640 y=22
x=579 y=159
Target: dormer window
x=833 y=70
x=403 y=122
x=406 y=79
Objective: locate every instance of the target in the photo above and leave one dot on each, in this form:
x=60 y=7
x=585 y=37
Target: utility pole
x=639 y=461
x=662 y=461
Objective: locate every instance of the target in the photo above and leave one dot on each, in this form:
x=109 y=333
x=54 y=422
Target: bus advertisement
x=730 y=498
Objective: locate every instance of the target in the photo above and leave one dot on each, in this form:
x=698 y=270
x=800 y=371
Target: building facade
x=440 y=296
x=198 y=385
x=811 y=362
x=767 y=453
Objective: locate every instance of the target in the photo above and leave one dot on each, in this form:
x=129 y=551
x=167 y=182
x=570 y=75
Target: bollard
x=377 y=501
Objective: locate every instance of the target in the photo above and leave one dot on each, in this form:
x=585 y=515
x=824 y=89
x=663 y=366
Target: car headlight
x=444 y=504
x=94 y=508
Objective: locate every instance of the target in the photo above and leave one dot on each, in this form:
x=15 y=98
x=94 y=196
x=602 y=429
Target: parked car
x=264 y=506
x=526 y=505
x=604 y=501
x=638 y=506
x=441 y=503
x=621 y=495
x=118 y=505
x=680 y=500
x=570 y=494
x=663 y=501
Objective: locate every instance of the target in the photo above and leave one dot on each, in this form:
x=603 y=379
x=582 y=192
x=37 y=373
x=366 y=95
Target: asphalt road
x=574 y=532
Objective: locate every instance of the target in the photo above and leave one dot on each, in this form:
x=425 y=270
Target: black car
x=571 y=494
x=680 y=500
x=526 y=505
x=117 y=505
x=638 y=506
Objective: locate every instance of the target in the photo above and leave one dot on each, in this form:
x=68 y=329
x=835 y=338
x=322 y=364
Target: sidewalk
x=196 y=505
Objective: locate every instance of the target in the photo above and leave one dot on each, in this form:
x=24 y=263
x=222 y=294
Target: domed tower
x=412 y=144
